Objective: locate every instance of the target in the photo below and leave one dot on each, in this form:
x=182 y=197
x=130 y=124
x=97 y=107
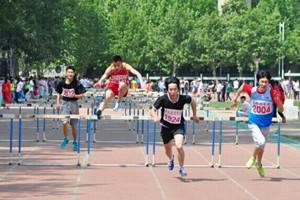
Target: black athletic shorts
x=167 y=134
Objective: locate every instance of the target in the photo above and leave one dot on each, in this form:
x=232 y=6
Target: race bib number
x=116 y=79
x=172 y=116
x=68 y=92
x=261 y=107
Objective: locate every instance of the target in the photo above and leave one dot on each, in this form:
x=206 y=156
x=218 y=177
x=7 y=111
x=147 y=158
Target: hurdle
x=10 y=140
x=243 y=119
x=146 y=163
x=211 y=164
x=41 y=116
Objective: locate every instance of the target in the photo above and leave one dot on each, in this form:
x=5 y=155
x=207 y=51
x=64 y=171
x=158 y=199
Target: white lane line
x=237 y=184
x=158 y=184
x=163 y=194
x=75 y=190
x=228 y=176
x=268 y=161
x=15 y=165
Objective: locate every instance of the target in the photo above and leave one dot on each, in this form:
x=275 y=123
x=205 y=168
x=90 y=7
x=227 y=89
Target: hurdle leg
x=11 y=141
x=86 y=136
x=44 y=126
x=147 y=144
x=20 y=139
x=37 y=125
x=236 y=132
x=153 y=144
x=213 y=143
x=142 y=139
x=95 y=127
x=137 y=131
x=207 y=115
x=137 y=127
x=78 y=142
x=88 y=141
x=220 y=144
x=236 y=129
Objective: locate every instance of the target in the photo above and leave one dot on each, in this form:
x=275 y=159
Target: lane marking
x=15 y=165
x=78 y=180
x=158 y=184
x=228 y=176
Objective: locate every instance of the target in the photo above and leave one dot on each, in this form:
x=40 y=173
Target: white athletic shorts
x=259 y=135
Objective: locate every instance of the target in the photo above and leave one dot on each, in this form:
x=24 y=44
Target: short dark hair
x=70 y=67
x=117 y=58
x=243 y=97
x=170 y=80
x=263 y=74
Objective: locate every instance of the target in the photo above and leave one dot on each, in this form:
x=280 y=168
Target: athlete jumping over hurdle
x=71 y=90
x=172 y=120
x=118 y=83
x=260 y=115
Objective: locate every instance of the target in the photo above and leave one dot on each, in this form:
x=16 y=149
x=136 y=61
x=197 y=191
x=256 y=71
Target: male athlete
x=118 y=83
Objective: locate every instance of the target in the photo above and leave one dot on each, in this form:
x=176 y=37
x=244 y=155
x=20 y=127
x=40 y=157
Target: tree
x=260 y=35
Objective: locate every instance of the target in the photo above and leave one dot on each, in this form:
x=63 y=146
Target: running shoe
x=64 y=143
x=260 y=170
x=74 y=146
x=99 y=113
x=250 y=162
x=182 y=172
x=117 y=105
x=171 y=162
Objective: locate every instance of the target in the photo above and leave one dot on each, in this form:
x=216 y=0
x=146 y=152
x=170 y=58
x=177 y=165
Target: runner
x=172 y=120
x=118 y=83
x=71 y=90
x=262 y=98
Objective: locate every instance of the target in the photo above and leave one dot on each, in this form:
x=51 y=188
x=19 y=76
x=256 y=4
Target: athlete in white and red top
x=260 y=115
x=172 y=120
x=118 y=82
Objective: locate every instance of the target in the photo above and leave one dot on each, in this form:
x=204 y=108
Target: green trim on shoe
x=250 y=162
x=260 y=170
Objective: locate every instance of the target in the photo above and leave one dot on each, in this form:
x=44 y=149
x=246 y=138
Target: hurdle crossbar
x=277 y=165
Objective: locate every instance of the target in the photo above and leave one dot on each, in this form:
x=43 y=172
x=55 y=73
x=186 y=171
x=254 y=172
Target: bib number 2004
x=261 y=109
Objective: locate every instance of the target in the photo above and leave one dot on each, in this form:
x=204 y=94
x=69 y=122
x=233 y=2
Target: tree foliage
x=161 y=37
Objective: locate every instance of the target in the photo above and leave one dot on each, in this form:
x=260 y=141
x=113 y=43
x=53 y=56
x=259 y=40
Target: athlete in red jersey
x=118 y=83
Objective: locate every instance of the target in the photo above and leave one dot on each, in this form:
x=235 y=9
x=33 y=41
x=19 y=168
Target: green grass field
x=292 y=137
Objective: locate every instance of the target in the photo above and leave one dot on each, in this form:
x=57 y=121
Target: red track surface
x=139 y=182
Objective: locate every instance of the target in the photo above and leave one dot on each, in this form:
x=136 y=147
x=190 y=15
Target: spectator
x=244 y=110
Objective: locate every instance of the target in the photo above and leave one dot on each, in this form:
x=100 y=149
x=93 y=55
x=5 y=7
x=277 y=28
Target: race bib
x=261 y=107
x=116 y=79
x=68 y=92
x=172 y=116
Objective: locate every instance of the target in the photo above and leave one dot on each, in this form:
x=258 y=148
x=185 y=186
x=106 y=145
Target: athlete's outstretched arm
x=193 y=105
x=135 y=72
x=104 y=76
x=238 y=93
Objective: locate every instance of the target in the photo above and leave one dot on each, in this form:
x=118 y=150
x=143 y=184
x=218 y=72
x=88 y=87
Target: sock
x=172 y=157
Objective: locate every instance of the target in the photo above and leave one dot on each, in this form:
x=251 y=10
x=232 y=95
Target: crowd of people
x=16 y=90
x=267 y=98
